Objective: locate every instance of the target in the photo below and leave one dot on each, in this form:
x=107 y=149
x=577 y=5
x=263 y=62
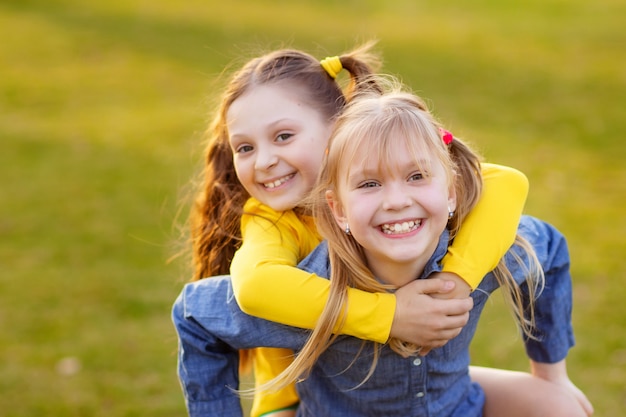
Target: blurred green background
x=102 y=105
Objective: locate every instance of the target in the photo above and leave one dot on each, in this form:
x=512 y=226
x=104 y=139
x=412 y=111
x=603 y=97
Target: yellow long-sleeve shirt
x=267 y=283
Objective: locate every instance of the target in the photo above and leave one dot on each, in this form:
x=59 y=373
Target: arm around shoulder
x=490 y=229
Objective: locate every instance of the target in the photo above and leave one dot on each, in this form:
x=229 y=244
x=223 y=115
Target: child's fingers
x=430 y=286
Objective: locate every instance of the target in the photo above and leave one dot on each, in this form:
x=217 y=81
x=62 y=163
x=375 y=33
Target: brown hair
x=216 y=213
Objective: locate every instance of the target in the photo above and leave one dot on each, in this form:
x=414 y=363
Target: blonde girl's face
x=396 y=214
x=278 y=142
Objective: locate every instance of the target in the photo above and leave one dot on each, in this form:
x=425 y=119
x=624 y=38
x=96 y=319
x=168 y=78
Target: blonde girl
x=265 y=148
x=395 y=191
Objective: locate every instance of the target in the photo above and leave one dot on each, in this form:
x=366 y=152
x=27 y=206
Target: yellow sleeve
x=489 y=230
x=268 y=285
x=269 y=363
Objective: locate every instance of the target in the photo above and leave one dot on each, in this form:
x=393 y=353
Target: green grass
x=101 y=109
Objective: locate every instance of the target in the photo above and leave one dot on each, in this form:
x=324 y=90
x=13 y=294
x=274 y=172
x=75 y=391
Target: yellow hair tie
x=332 y=65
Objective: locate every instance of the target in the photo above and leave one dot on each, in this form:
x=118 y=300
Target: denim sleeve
x=553 y=307
x=211 y=328
x=207 y=369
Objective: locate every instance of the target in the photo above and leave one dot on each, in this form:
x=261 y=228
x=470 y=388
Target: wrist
x=549 y=371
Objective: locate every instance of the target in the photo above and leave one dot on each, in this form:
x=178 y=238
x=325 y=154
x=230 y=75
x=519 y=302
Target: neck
x=397 y=270
x=397 y=274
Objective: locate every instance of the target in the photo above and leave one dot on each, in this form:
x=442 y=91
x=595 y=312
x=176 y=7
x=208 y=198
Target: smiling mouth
x=400 y=228
x=278 y=182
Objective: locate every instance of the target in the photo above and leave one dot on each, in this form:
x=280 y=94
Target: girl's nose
x=265 y=160
x=395 y=197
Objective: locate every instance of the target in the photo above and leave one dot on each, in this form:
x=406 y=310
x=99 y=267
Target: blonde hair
x=374 y=122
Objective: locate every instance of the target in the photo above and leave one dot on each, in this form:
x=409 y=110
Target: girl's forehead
x=267 y=103
x=387 y=157
x=271 y=91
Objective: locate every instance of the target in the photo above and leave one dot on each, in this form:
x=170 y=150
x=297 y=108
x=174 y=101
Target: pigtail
x=468 y=182
x=215 y=221
x=468 y=190
x=361 y=64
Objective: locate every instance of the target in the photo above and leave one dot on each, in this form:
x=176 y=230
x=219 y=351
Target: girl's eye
x=283 y=137
x=368 y=184
x=416 y=176
x=244 y=149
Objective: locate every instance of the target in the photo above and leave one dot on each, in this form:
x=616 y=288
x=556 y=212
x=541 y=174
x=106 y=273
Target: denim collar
x=434 y=263
x=317 y=262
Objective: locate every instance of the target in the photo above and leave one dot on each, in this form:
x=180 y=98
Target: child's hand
x=426 y=321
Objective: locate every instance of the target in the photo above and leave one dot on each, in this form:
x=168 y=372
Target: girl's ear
x=452 y=199
x=336 y=208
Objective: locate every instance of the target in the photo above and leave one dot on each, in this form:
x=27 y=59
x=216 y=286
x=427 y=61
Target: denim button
x=420 y=394
x=417 y=362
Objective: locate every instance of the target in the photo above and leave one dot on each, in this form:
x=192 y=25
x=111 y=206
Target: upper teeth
x=278 y=182
x=390 y=228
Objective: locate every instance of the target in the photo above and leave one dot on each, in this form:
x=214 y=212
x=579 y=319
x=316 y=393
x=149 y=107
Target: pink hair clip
x=446 y=136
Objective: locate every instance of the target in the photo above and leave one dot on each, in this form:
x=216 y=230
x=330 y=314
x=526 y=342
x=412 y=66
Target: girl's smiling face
x=396 y=212
x=278 y=142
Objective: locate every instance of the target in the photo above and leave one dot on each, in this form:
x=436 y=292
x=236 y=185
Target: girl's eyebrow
x=359 y=174
x=280 y=121
x=411 y=165
x=268 y=126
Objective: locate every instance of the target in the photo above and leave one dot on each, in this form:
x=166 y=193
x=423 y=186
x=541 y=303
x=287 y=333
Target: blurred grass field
x=102 y=105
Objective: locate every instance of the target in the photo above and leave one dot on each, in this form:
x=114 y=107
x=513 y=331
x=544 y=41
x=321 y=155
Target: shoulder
x=508 y=175
x=536 y=230
x=255 y=207
x=264 y=214
x=317 y=261
x=260 y=218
